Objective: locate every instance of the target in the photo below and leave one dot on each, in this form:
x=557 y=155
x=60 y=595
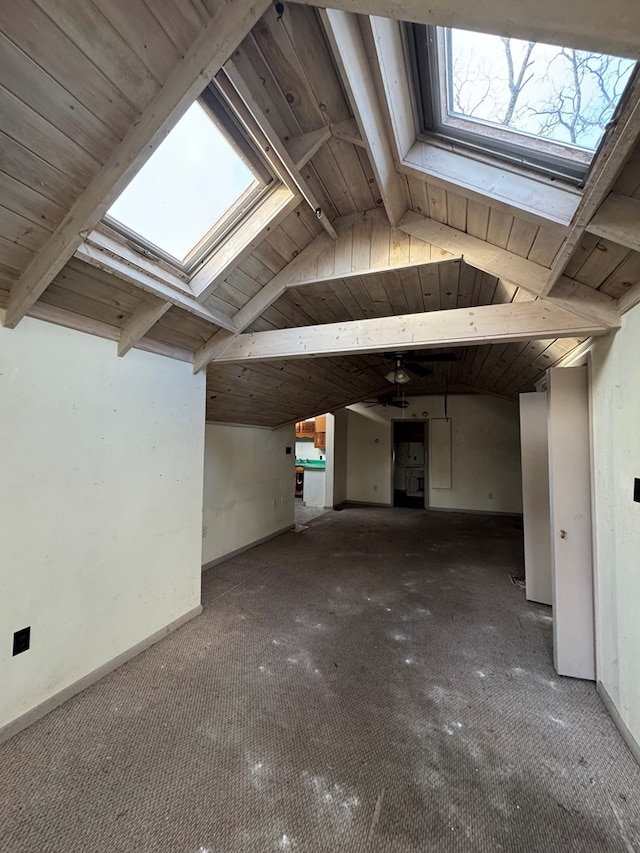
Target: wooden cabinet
x=317 y=430
x=320 y=437
x=305 y=429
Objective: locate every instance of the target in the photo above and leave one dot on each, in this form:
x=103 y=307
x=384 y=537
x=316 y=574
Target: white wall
x=306 y=450
x=485 y=452
x=340 y=441
x=615 y=398
x=249 y=487
x=101 y=463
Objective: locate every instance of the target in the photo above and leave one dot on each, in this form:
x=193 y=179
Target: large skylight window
x=534 y=104
x=193 y=182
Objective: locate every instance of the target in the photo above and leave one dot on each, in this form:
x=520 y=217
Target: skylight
x=185 y=189
x=535 y=104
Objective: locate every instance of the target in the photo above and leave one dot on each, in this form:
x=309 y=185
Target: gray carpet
x=374 y=683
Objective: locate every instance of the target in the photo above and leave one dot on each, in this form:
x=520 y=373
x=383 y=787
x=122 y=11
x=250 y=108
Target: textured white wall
x=101 y=465
x=485 y=452
x=615 y=400
x=249 y=487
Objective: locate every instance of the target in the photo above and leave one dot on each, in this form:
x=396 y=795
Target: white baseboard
x=474 y=511
x=246 y=547
x=41 y=710
x=620 y=724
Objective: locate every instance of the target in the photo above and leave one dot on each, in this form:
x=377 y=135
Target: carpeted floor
x=374 y=683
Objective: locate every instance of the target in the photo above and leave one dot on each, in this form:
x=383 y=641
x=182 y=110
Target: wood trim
x=217 y=40
x=61 y=317
x=53 y=702
x=256 y=542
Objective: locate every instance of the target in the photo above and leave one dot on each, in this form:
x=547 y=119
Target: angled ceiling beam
x=604 y=28
x=140 y=322
x=348 y=131
x=268 y=141
x=478 y=253
x=302 y=148
x=271 y=291
x=586 y=302
x=621 y=141
x=218 y=39
x=347 y=43
x=518 y=321
x=618 y=219
x=366 y=244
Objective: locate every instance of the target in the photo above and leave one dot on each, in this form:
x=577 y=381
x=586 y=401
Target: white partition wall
x=570 y=504
x=534 y=448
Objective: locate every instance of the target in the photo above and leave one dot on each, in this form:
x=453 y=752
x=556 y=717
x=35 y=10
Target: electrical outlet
x=21 y=640
x=204 y=531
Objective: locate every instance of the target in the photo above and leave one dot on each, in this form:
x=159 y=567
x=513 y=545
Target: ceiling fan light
x=402 y=377
x=391 y=376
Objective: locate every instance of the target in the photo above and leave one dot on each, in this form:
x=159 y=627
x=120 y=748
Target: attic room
x=411 y=625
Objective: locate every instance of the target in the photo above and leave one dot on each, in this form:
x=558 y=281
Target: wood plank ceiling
x=75 y=78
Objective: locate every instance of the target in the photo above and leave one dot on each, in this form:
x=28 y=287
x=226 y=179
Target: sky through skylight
x=556 y=93
x=189 y=183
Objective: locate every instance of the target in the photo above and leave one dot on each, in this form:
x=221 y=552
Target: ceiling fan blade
x=398 y=404
x=435 y=356
x=418 y=356
x=417 y=369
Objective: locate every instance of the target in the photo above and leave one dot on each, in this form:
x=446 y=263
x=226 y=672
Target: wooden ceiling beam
x=302 y=148
x=519 y=321
x=478 y=253
x=347 y=43
x=366 y=244
x=604 y=28
x=618 y=219
x=227 y=27
x=140 y=322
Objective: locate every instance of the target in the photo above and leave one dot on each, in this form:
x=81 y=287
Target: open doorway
x=409 y=464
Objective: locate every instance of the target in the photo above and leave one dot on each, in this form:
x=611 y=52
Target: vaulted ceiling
x=89 y=90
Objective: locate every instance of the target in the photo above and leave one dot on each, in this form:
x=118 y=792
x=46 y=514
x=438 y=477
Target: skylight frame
x=213 y=103
x=525 y=153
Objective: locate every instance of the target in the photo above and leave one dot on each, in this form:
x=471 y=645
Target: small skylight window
x=193 y=181
x=535 y=104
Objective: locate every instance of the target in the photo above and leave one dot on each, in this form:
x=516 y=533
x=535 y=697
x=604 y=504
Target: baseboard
x=71 y=690
x=474 y=511
x=620 y=724
x=247 y=547
x=347 y=504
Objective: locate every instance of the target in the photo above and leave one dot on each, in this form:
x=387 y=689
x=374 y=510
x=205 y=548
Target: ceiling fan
x=385 y=400
x=405 y=365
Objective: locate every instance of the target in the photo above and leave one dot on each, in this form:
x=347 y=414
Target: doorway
x=409 y=464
